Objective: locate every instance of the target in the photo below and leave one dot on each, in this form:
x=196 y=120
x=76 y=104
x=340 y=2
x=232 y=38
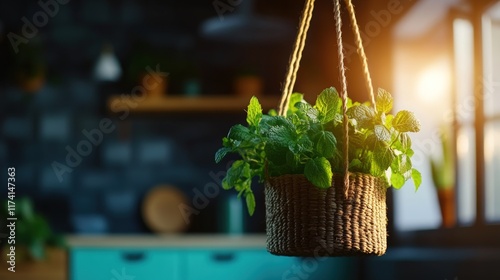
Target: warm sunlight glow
x=462 y=144
x=434 y=82
x=489 y=144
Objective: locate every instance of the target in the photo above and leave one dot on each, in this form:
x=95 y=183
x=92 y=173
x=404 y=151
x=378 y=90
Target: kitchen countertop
x=255 y=241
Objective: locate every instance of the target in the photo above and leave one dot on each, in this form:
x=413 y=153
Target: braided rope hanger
x=296 y=56
x=294 y=63
x=343 y=92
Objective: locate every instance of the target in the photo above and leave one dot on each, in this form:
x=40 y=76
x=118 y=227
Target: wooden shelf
x=178 y=104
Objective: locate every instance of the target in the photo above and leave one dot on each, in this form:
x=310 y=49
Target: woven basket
x=303 y=220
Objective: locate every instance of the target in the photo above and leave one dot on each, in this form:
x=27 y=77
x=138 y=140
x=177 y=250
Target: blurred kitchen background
x=70 y=69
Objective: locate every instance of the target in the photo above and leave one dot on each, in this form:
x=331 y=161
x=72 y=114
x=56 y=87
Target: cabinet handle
x=133 y=256
x=223 y=257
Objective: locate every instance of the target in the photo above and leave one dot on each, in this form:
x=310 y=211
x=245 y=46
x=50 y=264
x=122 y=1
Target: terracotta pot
x=248 y=86
x=447 y=205
x=33 y=84
x=155 y=85
x=53 y=267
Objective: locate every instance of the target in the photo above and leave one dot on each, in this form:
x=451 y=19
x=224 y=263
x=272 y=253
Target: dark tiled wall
x=103 y=193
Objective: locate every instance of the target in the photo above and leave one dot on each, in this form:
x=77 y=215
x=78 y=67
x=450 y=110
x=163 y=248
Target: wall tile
x=12 y=95
x=20 y=128
x=129 y=224
x=55 y=127
x=85 y=203
x=139 y=177
x=121 y=203
x=156 y=151
x=90 y=223
x=102 y=179
x=52 y=182
x=26 y=175
x=48 y=98
x=117 y=153
x=83 y=94
x=51 y=151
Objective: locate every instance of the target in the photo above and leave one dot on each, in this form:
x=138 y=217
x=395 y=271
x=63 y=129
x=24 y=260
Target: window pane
x=492 y=166
x=491 y=45
x=464 y=66
x=466 y=175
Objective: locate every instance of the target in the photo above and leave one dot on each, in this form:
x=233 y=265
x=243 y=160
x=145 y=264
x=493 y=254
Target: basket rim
x=378 y=180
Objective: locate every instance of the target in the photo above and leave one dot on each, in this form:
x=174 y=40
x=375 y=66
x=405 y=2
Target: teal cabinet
x=194 y=263
x=123 y=264
x=241 y=264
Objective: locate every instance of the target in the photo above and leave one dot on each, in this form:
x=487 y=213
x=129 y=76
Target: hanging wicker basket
x=303 y=220
x=350 y=217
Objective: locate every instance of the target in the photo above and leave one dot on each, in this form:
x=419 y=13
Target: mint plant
x=308 y=140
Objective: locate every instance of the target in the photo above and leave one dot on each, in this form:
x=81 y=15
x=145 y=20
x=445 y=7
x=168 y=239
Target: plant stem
x=395 y=139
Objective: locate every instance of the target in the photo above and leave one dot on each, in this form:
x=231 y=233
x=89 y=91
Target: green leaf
x=221 y=153
x=363 y=115
x=25 y=208
x=281 y=133
x=294 y=99
x=242 y=185
x=383 y=156
x=37 y=250
x=268 y=122
x=319 y=172
x=405 y=141
x=276 y=153
x=239 y=133
x=280 y=140
x=328 y=104
x=405 y=121
x=254 y=112
x=417 y=178
x=388 y=121
x=239 y=171
x=272 y=112
x=410 y=152
x=292 y=161
x=397 y=180
x=304 y=144
x=384 y=101
x=250 y=198
x=325 y=143
x=356 y=140
x=406 y=164
x=371 y=142
x=382 y=133
x=355 y=165
x=306 y=112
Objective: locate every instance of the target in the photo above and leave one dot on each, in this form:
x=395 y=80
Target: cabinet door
x=243 y=264
x=123 y=264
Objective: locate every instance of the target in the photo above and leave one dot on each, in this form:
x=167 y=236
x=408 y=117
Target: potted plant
x=248 y=82
x=300 y=157
x=35 y=240
x=29 y=69
x=443 y=176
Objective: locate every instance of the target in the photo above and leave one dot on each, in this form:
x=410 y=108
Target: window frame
x=480 y=233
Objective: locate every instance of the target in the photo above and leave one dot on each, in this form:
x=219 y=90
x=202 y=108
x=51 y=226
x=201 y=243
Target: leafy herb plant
x=308 y=140
x=33 y=232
